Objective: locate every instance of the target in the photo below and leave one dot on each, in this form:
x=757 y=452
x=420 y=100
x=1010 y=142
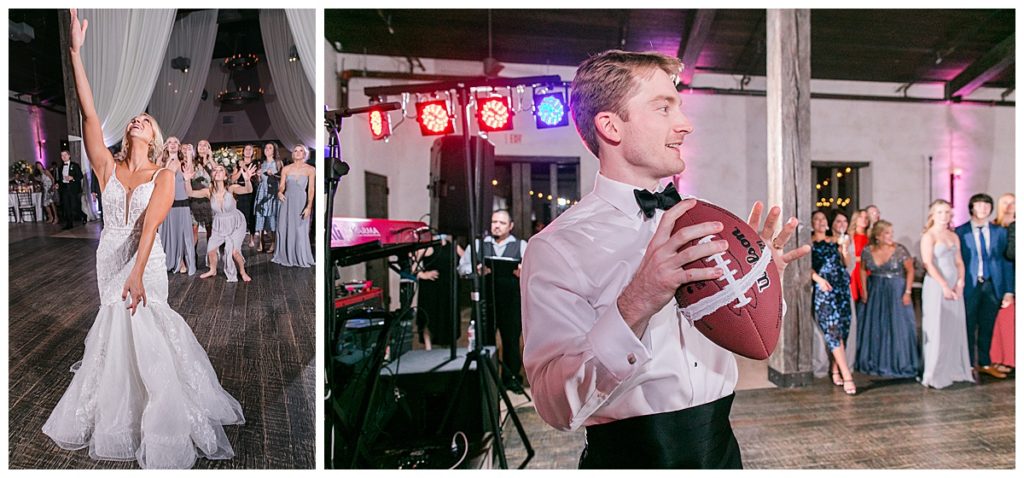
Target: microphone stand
x=336 y=168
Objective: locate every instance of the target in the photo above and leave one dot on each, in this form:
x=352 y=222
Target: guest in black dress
x=886 y=332
x=247 y=202
x=831 y=262
x=434 y=302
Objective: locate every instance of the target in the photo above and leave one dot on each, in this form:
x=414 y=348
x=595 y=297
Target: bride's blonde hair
x=156 y=147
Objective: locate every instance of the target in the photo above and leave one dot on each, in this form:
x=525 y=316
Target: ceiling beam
x=689 y=52
x=984 y=69
x=936 y=56
x=753 y=51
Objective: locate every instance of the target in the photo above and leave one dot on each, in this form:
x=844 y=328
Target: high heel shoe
x=849 y=387
x=837 y=379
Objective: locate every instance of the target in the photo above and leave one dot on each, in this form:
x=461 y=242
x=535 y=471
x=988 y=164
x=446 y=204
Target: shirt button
x=631 y=359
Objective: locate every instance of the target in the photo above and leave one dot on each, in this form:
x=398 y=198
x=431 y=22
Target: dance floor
x=260 y=338
x=889 y=424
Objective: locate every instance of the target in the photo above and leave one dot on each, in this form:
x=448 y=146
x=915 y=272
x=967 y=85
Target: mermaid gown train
x=145 y=389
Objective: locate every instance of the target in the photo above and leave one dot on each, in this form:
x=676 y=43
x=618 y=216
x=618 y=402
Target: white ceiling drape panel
x=292 y=99
x=302 y=22
x=122 y=55
x=205 y=117
x=176 y=95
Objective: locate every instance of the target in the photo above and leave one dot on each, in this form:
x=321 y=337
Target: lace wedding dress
x=144 y=389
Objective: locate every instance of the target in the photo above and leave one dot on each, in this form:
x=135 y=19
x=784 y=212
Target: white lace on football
x=735 y=290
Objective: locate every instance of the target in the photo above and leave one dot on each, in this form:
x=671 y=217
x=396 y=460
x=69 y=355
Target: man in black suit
x=69 y=184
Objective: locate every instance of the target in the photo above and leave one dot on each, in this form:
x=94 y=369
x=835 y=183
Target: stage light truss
x=493 y=102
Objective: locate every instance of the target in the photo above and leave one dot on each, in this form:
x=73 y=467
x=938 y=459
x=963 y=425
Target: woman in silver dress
x=176 y=231
x=228 y=221
x=296 y=195
x=944 y=320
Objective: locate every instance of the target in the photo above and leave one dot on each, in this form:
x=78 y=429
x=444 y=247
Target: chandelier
x=240 y=61
x=240 y=96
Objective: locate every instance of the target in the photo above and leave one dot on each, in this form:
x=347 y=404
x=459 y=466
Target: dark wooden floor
x=890 y=424
x=260 y=338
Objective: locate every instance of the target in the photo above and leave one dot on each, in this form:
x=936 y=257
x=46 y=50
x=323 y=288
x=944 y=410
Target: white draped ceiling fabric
x=122 y=55
x=302 y=22
x=290 y=100
x=177 y=94
x=208 y=110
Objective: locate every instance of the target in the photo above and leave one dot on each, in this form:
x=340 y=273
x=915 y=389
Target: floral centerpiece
x=228 y=158
x=21 y=177
x=20 y=169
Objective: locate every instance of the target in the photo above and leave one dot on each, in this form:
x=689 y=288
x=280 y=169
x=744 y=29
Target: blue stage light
x=550 y=110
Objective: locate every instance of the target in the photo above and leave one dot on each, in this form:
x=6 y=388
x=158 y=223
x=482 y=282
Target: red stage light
x=380 y=124
x=493 y=114
x=434 y=118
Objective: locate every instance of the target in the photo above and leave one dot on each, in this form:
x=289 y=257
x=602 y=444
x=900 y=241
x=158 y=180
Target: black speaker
x=426 y=382
x=449 y=196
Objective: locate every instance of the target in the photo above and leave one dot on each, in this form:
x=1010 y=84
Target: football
x=742 y=310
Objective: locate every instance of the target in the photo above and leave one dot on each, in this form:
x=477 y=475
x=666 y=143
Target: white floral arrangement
x=228 y=158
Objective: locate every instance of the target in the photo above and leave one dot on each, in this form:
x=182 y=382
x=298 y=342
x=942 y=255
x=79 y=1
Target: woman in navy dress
x=830 y=261
x=886 y=335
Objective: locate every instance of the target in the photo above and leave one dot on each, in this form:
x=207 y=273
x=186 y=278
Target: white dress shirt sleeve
x=466 y=262
x=574 y=356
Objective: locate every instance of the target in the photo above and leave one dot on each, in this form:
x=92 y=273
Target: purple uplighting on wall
x=40 y=135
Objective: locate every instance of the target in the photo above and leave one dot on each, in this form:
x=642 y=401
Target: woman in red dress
x=860 y=239
x=1002 y=351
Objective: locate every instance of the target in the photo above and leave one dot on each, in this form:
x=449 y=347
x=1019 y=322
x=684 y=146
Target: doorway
x=836 y=186
x=535 y=189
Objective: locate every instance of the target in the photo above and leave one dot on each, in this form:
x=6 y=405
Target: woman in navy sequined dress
x=886 y=332
x=830 y=261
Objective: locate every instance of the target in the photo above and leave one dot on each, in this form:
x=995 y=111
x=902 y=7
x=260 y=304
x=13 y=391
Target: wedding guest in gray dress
x=296 y=195
x=228 y=222
x=176 y=230
x=944 y=319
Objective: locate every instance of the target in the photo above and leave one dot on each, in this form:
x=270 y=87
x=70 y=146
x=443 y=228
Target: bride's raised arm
x=92 y=132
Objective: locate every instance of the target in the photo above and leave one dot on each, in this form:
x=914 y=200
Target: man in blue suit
x=989 y=279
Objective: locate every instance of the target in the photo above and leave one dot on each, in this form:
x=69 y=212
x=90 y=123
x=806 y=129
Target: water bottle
x=471 y=333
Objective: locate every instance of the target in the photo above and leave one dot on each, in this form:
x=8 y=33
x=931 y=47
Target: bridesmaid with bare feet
x=228 y=222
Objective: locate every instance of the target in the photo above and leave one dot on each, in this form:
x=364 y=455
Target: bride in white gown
x=145 y=389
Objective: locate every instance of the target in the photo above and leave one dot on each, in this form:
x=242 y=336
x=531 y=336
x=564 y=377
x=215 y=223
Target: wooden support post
x=789 y=181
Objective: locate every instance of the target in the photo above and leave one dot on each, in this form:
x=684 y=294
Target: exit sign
x=513 y=138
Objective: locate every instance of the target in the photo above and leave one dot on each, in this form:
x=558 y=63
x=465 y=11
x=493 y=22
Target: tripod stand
x=478 y=355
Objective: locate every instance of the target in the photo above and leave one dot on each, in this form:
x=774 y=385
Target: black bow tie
x=649 y=201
